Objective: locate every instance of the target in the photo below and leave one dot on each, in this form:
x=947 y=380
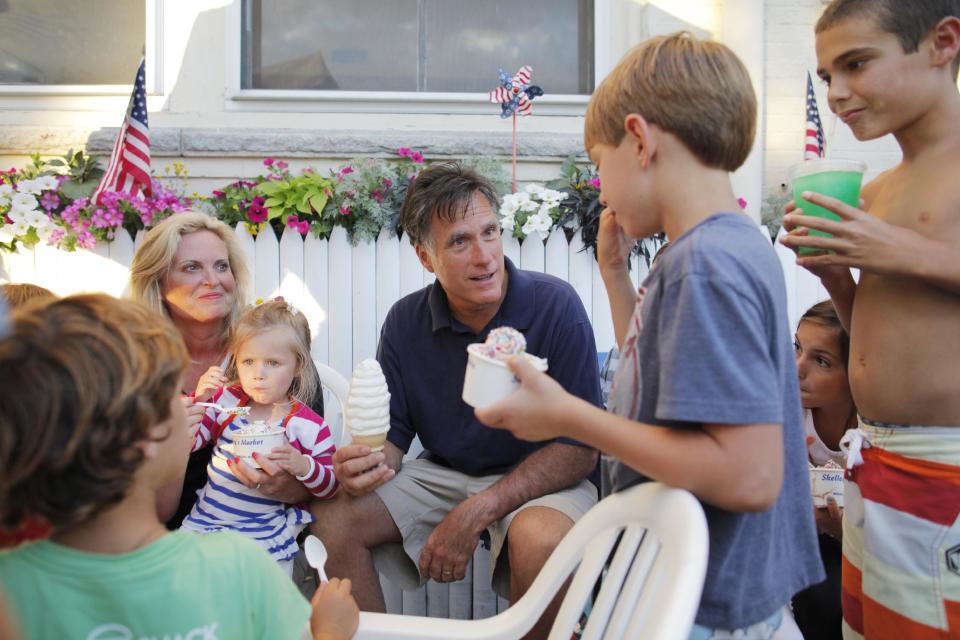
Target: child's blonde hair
x=84 y=379
x=256 y=319
x=694 y=89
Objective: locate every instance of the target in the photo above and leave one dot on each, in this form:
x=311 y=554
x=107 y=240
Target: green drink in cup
x=838 y=179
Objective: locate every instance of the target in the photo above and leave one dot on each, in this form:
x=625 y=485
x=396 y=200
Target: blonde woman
x=191 y=268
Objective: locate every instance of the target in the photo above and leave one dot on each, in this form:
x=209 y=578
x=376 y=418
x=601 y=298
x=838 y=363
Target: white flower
x=29 y=186
x=36 y=219
x=539 y=223
x=529 y=205
x=534 y=189
x=23 y=201
x=509 y=205
x=508 y=222
x=5 y=192
x=18 y=215
x=552 y=196
x=546 y=209
x=46 y=183
x=44 y=232
x=21 y=228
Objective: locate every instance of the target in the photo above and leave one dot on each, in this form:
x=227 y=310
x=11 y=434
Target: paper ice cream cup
x=824 y=482
x=373 y=440
x=245 y=445
x=488 y=380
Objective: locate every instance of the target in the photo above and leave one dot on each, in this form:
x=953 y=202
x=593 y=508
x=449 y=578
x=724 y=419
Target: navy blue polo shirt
x=423 y=353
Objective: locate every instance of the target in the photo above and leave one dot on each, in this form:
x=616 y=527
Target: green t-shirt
x=184 y=585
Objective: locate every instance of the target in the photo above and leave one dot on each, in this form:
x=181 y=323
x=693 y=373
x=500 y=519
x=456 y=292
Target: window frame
x=395 y=102
x=153 y=49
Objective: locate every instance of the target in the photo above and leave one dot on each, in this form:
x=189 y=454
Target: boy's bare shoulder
x=923 y=196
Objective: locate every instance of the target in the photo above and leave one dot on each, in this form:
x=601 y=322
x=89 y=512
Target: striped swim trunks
x=901 y=533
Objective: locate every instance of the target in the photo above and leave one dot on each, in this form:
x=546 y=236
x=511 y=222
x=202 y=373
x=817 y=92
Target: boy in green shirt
x=91 y=426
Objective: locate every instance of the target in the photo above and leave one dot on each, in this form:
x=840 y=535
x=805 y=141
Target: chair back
x=335 y=387
x=643 y=552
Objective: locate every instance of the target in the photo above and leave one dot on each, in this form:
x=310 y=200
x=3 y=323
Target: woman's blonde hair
x=277 y=313
x=152 y=261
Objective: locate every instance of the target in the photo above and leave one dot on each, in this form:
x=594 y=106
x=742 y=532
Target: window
x=423 y=46
x=81 y=42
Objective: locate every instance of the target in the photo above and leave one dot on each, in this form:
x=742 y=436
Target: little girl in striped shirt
x=271 y=360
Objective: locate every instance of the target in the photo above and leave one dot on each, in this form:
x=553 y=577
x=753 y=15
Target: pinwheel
x=515 y=96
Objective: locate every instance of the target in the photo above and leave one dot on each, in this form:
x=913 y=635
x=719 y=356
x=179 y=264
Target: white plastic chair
x=648 y=547
x=338 y=387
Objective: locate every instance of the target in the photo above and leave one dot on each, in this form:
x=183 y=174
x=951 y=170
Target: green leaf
x=273 y=202
x=272 y=187
x=274 y=212
x=318 y=202
x=303 y=207
x=76 y=190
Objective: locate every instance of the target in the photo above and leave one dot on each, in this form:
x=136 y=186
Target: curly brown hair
x=18 y=294
x=84 y=379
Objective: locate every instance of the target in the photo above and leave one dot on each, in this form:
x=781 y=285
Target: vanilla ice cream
x=368 y=405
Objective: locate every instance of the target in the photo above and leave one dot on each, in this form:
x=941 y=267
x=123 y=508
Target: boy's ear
x=642 y=137
x=945 y=41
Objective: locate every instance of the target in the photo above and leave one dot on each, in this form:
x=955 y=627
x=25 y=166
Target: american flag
x=814 y=147
x=129 y=168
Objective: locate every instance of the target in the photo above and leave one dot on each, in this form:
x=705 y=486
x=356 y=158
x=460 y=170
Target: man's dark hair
x=444 y=190
x=909 y=20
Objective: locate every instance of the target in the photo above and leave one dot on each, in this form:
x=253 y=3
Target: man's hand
x=208 y=383
x=335 y=613
x=360 y=471
x=272 y=481
x=829 y=519
x=859 y=240
x=613 y=245
x=534 y=411
x=450 y=547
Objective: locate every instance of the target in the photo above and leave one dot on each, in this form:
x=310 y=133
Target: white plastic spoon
x=316 y=555
x=237 y=411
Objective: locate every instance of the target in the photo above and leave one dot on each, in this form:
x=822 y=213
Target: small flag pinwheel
x=515 y=94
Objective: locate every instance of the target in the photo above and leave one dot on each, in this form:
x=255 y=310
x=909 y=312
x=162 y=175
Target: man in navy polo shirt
x=472 y=478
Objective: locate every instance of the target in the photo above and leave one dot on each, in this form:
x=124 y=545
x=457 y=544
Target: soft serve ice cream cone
x=368 y=405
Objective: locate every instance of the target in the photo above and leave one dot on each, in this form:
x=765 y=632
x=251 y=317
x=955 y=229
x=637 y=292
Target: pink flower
x=742 y=203
x=404 y=152
x=387 y=183
x=282 y=165
x=344 y=171
x=55 y=236
x=377 y=195
x=293 y=221
x=594 y=182
x=219 y=194
x=344 y=210
x=417 y=157
x=303 y=227
x=268 y=162
x=50 y=201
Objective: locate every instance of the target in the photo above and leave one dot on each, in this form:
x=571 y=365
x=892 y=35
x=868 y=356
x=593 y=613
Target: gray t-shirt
x=710 y=341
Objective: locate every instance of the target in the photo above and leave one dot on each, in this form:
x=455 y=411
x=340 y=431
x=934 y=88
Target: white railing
x=346 y=291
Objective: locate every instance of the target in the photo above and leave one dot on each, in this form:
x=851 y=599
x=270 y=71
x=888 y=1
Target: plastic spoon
x=316 y=555
x=237 y=411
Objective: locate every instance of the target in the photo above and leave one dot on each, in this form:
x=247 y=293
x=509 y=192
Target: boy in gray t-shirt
x=705 y=396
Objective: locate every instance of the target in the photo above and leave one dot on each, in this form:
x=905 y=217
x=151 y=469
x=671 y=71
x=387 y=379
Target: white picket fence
x=346 y=292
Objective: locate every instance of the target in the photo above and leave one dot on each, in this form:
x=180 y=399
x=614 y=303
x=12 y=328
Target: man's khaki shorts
x=424 y=492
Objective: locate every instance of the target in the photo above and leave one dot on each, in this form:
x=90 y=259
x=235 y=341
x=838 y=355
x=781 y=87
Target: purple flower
x=219 y=194
x=417 y=157
x=257 y=213
x=268 y=162
x=594 y=182
x=50 y=201
x=55 y=236
x=86 y=240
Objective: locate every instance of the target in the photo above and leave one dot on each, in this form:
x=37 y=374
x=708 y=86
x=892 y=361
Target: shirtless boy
x=891 y=67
